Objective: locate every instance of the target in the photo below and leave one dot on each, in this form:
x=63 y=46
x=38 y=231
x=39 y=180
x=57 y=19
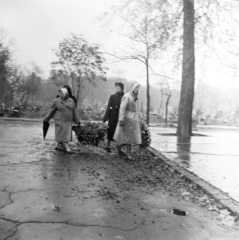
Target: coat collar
x=66 y=102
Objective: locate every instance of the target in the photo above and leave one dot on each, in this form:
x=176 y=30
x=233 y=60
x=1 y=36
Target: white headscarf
x=133 y=86
x=64 y=92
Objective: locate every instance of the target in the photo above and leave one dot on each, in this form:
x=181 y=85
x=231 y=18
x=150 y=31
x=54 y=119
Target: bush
x=90 y=133
x=94 y=133
x=146 y=136
x=39 y=114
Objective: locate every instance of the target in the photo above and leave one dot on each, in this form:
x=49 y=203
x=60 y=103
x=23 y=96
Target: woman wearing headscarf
x=128 y=130
x=68 y=88
x=112 y=112
x=64 y=110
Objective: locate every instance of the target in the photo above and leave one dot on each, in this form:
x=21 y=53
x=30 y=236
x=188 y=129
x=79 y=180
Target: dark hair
x=119 y=84
x=68 y=89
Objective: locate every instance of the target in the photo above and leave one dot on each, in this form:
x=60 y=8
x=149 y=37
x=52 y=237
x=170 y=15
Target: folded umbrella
x=45 y=128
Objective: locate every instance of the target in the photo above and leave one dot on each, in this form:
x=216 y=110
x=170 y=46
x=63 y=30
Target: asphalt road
x=87 y=195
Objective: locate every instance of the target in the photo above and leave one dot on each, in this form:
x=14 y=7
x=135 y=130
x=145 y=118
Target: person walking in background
x=64 y=110
x=128 y=130
x=112 y=112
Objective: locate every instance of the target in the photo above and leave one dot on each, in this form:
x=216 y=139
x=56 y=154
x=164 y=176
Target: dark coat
x=112 y=113
x=65 y=114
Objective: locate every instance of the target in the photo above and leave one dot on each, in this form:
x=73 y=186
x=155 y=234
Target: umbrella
x=45 y=128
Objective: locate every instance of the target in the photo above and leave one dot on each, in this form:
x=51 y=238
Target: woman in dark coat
x=112 y=112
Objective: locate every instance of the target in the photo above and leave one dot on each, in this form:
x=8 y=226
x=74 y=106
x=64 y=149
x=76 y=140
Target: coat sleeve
x=76 y=118
x=123 y=107
x=107 y=112
x=51 y=112
x=73 y=97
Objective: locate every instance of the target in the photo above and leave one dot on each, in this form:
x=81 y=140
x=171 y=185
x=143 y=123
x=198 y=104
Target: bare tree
x=188 y=72
x=161 y=99
x=200 y=18
x=168 y=94
x=148 y=30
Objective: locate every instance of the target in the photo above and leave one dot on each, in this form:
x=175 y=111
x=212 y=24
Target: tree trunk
x=188 y=72
x=161 y=100
x=73 y=84
x=78 y=95
x=147 y=92
x=166 y=108
x=26 y=102
x=22 y=98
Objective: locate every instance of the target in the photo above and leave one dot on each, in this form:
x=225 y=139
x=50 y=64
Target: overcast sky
x=37 y=27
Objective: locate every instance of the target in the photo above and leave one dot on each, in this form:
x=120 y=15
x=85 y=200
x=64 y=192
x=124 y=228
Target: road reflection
x=212 y=155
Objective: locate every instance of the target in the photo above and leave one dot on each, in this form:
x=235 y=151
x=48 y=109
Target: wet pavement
x=51 y=195
x=214 y=156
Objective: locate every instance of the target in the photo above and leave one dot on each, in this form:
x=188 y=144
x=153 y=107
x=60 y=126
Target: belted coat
x=112 y=113
x=64 y=112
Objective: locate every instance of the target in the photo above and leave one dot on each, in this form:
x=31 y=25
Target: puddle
x=213 y=158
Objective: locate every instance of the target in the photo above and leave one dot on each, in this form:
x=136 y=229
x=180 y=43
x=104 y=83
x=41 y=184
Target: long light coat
x=130 y=132
x=65 y=114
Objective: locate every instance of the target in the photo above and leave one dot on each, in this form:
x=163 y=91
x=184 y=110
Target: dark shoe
x=59 y=146
x=108 y=149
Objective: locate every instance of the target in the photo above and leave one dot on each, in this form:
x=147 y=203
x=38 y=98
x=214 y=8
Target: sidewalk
x=91 y=194
x=20 y=119
x=201 y=127
x=215 y=127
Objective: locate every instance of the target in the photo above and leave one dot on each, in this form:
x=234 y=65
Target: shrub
x=146 y=136
x=90 y=133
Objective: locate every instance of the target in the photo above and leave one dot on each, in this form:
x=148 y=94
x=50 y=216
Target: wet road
x=213 y=157
x=49 y=195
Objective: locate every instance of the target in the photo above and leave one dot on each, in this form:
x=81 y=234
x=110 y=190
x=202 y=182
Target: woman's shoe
x=108 y=149
x=120 y=152
x=67 y=148
x=59 y=146
x=128 y=157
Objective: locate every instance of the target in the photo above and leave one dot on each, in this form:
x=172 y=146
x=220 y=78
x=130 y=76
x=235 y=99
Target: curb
x=219 y=196
x=7 y=119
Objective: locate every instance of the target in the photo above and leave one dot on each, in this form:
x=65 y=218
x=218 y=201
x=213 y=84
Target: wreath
x=90 y=133
x=146 y=136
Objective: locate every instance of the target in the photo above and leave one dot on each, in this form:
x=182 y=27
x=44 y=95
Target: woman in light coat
x=128 y=130
x=64 y=110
